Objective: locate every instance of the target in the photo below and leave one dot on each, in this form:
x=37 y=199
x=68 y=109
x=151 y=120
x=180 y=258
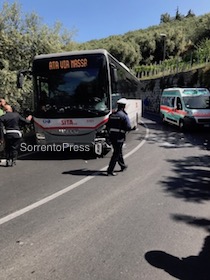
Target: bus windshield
x=197 y=102
x=79 y=90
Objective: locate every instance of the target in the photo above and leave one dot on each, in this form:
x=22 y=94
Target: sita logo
x=67 y=122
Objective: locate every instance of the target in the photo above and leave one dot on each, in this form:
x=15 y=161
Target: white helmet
x=122 y=101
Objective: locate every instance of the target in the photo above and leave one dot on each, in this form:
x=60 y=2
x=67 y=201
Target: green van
x=185 y=107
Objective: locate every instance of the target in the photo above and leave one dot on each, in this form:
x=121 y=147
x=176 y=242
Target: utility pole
x=163 y=36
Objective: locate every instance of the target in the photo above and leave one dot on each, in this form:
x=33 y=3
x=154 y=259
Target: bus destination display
x=68 y=63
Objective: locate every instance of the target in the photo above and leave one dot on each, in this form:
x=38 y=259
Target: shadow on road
x=85 y=172
x=167 y=133
x=191 y=182
x=192 y=179
x=65 y=155
x=190 y=268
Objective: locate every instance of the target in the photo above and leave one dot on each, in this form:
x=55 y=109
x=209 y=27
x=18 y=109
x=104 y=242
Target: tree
x=165 y=18
x=125 y=51
x=178 y=16
x=202 y=52
x=21 y=38
x=190 y=14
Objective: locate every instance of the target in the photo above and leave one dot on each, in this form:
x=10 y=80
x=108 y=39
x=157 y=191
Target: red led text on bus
x=66 y=64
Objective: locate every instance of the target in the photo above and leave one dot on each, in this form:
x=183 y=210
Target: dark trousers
x=12 y=147
x=117 y=156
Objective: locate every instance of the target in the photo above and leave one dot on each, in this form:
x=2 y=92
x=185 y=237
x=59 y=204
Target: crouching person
x=10 y=132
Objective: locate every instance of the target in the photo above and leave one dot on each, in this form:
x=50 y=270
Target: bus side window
x=114 y=78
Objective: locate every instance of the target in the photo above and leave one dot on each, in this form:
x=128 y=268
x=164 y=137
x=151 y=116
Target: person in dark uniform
x=10 y=131
x=118 y=124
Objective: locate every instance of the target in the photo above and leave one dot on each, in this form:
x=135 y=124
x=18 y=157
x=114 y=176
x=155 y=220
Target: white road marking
x=67 y=189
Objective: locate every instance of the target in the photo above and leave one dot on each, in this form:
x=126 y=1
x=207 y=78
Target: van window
x=168 y=101
x=196 y=91
x=197 y=102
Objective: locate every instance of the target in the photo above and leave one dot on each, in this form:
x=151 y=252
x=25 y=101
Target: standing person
x=118 y=124
x=10 y=126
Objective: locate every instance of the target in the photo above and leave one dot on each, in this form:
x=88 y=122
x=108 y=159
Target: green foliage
x=178 y=15
x=190 y=14
x=203 y=50
x=165 y=18
x=21 y=38
x=206 y=75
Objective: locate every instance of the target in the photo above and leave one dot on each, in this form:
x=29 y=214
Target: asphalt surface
x=61 y=217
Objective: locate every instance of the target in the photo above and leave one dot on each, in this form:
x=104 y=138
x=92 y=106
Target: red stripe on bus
x=72 y=127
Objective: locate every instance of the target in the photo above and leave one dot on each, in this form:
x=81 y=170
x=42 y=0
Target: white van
x=186 y=107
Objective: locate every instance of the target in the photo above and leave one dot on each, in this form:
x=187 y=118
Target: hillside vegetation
x=176 y=40
x=185 y=39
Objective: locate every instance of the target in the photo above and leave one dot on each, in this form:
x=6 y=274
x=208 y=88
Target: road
x=61 y=217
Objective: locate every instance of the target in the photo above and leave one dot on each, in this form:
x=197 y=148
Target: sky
x=97 y=19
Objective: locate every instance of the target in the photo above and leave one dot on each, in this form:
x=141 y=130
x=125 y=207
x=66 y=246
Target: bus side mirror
x=20 y=79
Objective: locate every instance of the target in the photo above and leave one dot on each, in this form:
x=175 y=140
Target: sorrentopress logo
x=24 y=147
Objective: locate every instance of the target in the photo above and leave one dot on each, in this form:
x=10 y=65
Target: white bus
x=74 y=93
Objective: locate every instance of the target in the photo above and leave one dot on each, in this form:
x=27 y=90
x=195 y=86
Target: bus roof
x=51 y=55
x=83 y=52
